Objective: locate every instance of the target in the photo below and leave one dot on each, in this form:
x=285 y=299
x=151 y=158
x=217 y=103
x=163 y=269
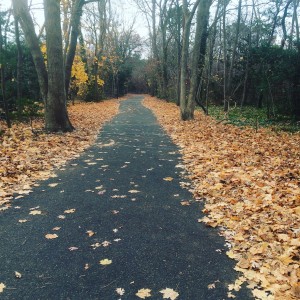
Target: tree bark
x=198 y=59
x=22 y=12
x=187 y=20
x=19 y=65
x=2 y=74
x=56 y=116
x=75 y=30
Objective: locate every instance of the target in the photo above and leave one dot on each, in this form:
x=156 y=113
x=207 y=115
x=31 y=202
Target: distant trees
x=246 y=48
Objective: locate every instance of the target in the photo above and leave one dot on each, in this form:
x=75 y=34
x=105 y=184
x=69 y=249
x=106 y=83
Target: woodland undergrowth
x=250 y=183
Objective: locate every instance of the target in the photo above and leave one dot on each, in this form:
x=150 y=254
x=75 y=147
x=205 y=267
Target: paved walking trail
x=115 y=198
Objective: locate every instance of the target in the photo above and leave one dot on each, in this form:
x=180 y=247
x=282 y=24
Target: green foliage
x=253 y=117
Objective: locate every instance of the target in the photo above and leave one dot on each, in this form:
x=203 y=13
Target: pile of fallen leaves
x=251 y=185
x=28 y=155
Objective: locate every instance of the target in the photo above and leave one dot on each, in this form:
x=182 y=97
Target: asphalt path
x=112 y=223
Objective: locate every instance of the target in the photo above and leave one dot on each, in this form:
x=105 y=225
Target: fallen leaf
x=23 y=221
x=169 y=294
x=143 y=293
x=2 y=287
x=61 y=217
x=86 y=266
x=106 y=243
x=51 y=236
x=90 y=233
x=73 y=248
x=211 y=286
x=18 y=275
x=35 y=212
x=70 y=211
x=133 y=191
x=96 y=245
x=168 y=178
x=52 y=184
x=120 y=291
x=185 y=203
x=56 y=228
x=105 y=262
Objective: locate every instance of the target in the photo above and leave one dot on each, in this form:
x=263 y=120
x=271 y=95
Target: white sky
x=126 y=9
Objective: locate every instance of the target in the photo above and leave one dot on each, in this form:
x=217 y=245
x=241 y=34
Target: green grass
x=253 y=117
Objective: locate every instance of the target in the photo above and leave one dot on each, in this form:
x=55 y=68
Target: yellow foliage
x=79 y=76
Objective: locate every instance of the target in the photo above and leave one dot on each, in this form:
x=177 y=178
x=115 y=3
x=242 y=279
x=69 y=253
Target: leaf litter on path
x=250 y=183
x=29 y=156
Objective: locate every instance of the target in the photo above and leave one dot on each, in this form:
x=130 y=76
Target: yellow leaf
x=70 y=211
x=143 y=293
x=50 y=236
x=169 y=294
x=35 y=212
x=168 y=179
x=23 y=221
x=53 y=184
x=105 y=262
x=2 y=287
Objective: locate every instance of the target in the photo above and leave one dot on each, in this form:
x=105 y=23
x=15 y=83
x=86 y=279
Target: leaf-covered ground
x=27 y=156
x=251 y=186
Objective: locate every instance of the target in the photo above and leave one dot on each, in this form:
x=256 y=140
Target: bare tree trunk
x=56 y=116
x=22 y=12
x=225 y=73
x=2 y=74
x=178 y=23
x=75 y=25
x=187 y=20
x=199 y=52
x=234 y=49
x=283 y=25
x=19 y=65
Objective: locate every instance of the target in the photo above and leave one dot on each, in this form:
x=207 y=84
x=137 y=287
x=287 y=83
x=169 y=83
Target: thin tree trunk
x=178 y=19
x=2 y=74
x=19 y=66
x=22 y=12
x=234 y=49
x=75 y=25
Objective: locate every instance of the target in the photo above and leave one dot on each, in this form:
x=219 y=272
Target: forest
x=217 y=55
x=222 y=79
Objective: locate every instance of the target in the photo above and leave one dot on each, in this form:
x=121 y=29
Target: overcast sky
x=126 y=10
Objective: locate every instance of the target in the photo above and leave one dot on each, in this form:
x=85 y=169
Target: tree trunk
x=19 y=65
x=199 y=52
x=2 y=74
x=21 y=11
x=56 y=116
x=187 y=20
x=75 y=29
x=178 y=31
